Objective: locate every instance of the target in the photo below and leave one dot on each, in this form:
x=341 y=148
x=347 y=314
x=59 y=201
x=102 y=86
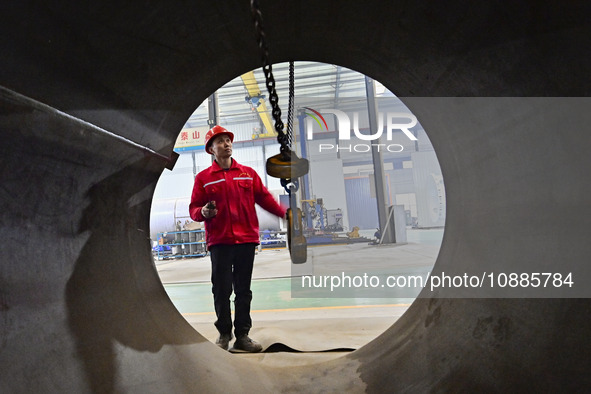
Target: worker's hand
x=209 y=210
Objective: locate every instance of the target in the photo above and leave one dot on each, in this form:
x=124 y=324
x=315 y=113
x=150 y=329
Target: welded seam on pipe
x=46 y=108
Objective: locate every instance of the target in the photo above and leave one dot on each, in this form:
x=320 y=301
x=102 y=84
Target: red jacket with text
x=235 y=192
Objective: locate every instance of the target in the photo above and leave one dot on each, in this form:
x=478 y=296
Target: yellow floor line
x=308 y=309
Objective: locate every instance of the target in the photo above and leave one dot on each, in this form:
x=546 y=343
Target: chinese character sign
x=191 y=139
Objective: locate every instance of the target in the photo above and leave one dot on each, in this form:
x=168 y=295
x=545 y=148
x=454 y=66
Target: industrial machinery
x=325 y=226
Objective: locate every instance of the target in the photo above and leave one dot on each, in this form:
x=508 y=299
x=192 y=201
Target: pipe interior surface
x=81 y=305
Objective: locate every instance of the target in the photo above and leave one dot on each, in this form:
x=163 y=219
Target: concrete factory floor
x=295 y=330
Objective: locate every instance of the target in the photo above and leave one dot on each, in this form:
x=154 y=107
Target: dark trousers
x=231 y=268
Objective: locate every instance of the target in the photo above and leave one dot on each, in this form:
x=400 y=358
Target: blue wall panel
x=361 y=207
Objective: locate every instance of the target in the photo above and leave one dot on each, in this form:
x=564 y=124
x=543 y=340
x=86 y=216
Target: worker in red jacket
x=224 y=197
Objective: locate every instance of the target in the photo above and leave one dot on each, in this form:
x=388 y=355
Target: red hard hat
x=213 y=132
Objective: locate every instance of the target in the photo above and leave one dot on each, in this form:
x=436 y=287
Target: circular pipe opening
x=353 y=266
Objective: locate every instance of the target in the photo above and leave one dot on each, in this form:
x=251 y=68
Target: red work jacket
x=235 y=192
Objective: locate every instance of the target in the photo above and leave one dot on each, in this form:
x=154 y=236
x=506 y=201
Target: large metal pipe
x=81 y=306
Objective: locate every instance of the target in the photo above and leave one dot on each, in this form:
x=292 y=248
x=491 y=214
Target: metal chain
x=290 y=105
x=282 y=137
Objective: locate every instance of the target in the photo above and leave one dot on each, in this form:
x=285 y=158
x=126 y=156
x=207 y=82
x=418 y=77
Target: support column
x=378 y=165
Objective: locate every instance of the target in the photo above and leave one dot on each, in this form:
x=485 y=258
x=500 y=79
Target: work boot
x=245 y=344
x=223 y=341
